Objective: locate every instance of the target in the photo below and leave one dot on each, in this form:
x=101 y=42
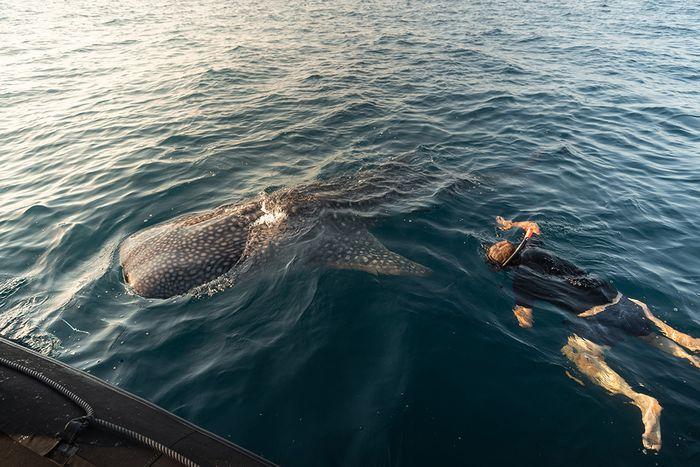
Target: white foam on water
x=271 y=217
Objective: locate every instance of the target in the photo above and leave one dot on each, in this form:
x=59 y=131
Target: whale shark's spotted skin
x=176 y=257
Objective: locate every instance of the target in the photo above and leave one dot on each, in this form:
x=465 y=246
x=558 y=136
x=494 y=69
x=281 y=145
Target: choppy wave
x=583 y=116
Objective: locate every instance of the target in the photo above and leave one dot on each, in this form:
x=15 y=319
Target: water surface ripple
x=584 y=116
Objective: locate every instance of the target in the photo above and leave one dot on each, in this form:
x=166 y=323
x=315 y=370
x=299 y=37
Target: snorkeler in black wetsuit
x=605 y=317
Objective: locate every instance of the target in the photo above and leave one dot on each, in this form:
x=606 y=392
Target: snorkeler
x=604 y=316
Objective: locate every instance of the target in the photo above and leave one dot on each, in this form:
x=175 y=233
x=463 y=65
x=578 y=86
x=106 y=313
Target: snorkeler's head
x=499 y=252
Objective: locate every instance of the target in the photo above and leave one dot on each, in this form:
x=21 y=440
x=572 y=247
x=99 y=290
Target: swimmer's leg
x=588 y=358
x=667 y=345
x=689 y=342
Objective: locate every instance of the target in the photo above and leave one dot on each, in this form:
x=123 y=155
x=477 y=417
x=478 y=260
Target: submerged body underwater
x=383 y=129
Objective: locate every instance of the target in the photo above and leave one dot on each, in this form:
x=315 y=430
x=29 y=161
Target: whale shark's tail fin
x=360 y=250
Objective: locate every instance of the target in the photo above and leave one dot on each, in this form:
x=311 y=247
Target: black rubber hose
x=89 y=416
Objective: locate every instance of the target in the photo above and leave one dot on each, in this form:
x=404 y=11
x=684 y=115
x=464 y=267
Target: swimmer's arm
x=524 y=316
x=504 y=224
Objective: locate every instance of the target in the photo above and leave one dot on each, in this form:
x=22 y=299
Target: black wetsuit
x=541 y=275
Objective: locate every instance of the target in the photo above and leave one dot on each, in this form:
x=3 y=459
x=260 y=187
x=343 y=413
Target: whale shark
x=187 y=253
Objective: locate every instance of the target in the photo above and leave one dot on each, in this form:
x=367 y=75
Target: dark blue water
x=584 y=116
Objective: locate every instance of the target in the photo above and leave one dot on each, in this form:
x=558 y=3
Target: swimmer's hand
x=504 y=224
x=524 y=316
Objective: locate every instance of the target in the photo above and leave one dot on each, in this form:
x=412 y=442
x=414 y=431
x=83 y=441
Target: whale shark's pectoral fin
x=363 y=252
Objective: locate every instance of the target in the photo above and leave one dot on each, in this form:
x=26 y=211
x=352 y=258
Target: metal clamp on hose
x=74 y=427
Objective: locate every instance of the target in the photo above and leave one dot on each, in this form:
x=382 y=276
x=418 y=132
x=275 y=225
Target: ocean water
x=583 y=116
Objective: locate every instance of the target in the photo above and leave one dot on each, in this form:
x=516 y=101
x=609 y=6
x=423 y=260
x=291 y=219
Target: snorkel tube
x=528 y=234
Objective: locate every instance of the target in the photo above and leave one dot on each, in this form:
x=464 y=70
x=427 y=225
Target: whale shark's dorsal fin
x=360 y=250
